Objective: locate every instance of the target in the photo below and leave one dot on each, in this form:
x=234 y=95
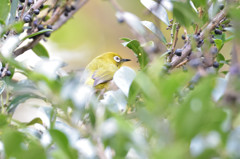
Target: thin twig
x=59 y=22
x=64 y=19
x=187 y=50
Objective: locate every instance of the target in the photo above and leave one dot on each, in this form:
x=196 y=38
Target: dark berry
x=8 y=73
x=41 y=7
x=67 y=9
x=22 y=1
x=215 y=64
x=197 y=38
x=30 y=2
x=47 y=34
x=40 y=27
x=195 y=62
x=191 y=86
x=65 y=14
x=218 y=32
x=178 y=52
x=49 y=27
x=27 y=19
x=20 y=7
x=35 y=23
x=120 y=19
x=211 y=41
x=200 y=43
x=221 y=6
x=183 y=37
x=36 y=11
x=214 y=50
x=73 y=7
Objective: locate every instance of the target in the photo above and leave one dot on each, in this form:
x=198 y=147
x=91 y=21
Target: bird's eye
x=117 y=58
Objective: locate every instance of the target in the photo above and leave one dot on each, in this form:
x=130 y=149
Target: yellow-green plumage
x=102 y=68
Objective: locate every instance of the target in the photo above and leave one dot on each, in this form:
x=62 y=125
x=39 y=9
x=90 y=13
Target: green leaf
x=4 y=9
x=135 y=46
x=219 y=43
x=14 y=6
x=40 y=50
x=152 y=27
x=61 y=141
x=185 y=14
x=20 y=99
x=17 y=145
x=200 y=3
x=35 y=34
x=221 y=60
x=157 y=9
x=197 y=113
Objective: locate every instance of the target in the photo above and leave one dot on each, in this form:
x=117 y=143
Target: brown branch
x=28 y=46
x=64 y=19
x=187 y=49
x=59 y=22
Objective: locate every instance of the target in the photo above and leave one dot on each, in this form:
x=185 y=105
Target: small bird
x=102 y=68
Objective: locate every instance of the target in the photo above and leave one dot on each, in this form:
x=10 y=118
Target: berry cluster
x=68 y=10
x=31 y=15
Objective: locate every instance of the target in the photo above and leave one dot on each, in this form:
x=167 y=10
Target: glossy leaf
x=40 y=50
x=152 y=27
x=37 y=33
x=20 y=99
x=135 y=46
x=157 y=9
x=4 y=9
x=184 y=14
x=13 y=10
x=62 y=142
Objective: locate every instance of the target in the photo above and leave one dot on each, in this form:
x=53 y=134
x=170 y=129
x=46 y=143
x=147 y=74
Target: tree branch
x=188 y=48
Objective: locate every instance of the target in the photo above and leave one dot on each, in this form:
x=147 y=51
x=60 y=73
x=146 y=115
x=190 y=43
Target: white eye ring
x=117 y=58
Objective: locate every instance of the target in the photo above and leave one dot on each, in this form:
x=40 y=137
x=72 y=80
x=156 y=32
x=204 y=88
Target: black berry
x=72 y=7
x=178 y=52
x=47 y=34
x=197 y=38
x=49 y=27
x=214 y=50
x=40 y=27
x=27 y=18
x=218 y=32
x=67 y=9
x=36 y=11
x=215 y=64
x=8 y=73
x=30 y=2
x=41 y=7
x=22 y=1
x=183 y=37
x=35 y=23
x=200 y=43
x=221 y=6
x=65 y=14
x=20 y=7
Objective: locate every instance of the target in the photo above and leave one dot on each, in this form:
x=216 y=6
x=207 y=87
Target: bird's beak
x=125 y=60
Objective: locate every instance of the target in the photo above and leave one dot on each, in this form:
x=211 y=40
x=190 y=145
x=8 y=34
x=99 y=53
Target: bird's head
x=114 y=58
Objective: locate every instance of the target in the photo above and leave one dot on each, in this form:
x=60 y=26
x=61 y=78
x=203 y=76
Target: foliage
x=159 y=111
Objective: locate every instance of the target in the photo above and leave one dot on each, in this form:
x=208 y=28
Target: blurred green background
x=93 y=30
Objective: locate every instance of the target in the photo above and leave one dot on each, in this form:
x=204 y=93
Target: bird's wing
x=101 y=78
